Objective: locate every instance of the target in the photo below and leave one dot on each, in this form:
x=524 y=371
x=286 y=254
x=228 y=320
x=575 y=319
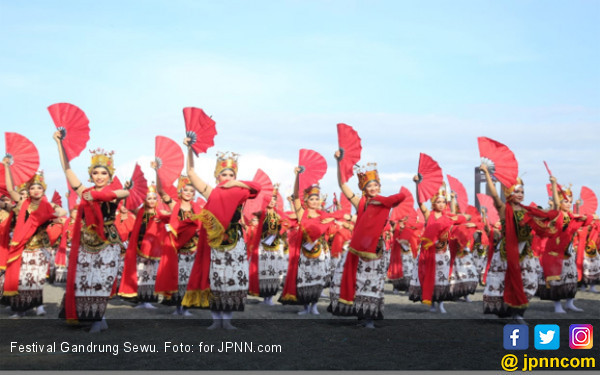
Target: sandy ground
x=409 y=338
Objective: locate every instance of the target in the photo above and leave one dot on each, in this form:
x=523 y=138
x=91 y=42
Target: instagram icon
x=581 y=336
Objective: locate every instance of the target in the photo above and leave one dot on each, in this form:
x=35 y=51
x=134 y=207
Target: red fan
x=24 y=156
x=589 y=201
x=3 y=191
x=420 y=216
x=461 y=194
x=548 y=169
x=56 y=199
x=406 y=208
x=500 y=160
x=169 y=160
x=431 y=178
x=312 y=168
x=73 y=125
x=260 y=202
x=138 y=190
x=279 y=204
x=475 y=215
x=200 y=128
x=487 y=206
x=559 y=188
x=350 y=147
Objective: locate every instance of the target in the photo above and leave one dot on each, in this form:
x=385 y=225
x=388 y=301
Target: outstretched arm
x=167 y=199
x=421 y=205
x=345 y=188
x=555 y=196
x=297 y=204
x=72 y=179
x=10 y=186
x=199 y=184
x=500 y=206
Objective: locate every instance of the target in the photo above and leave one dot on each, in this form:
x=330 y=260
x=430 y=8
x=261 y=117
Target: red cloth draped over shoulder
x=178 y=233
x=24 y=230
x=94 y=220
x=395 y=270
x=125 y=226
x=372 y=215
x=151 y=248
x=341 y=236
x=436 y=230
x=215 y=218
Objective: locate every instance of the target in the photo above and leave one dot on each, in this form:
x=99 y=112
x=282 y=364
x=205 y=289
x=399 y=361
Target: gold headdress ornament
x=151 y=190
x=101 y=158
x=182 y=182
x=312 y=190
x=442 y=192
x=566 y=192
x=37 y=179
x=226 y=160
x=23 y=186
x=275 y=189
x=511 y=190
x=366 y=174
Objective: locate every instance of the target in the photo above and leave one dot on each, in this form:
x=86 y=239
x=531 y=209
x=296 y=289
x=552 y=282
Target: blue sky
x=277 y=76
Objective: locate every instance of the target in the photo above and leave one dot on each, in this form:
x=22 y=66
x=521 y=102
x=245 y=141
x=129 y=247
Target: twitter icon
x=547 y=336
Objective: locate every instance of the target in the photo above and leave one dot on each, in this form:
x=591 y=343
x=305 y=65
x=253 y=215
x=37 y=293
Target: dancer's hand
x=338 y=155
x=57 y=136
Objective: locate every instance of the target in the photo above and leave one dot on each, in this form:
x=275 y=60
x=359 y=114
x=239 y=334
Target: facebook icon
x=516 y=337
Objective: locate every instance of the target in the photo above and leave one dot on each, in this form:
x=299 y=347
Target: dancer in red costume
x=96 y=244
x=143 y=252
x=558 y=260
x=29 y=248
x=308 y=267
x=219 y=278
x=430 y=281
x=511 y=279
x=359 y=279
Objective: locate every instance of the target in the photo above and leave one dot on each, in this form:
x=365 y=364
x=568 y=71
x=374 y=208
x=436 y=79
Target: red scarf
x=514 y=295
x=289 y=293
x=24 y=230
x=370 y=222
x=151 y=248
x=61 y=254
x=179 y=232
x=215 y=217
x=92 y=211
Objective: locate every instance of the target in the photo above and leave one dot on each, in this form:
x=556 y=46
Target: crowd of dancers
x=178 y=250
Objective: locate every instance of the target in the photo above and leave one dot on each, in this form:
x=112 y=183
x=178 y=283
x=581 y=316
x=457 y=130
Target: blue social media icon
x=546 y=337
x=516 y=337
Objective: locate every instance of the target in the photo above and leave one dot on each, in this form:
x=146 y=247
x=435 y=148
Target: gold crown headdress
x=182 y=182
x=566 y=192
x=226 y=160
x=312 y=190
x=152 y=190
x=511 y=190
x=442 y=192
x=366 y=174
x=37 y=179
x=101 y=158
x=23 y=186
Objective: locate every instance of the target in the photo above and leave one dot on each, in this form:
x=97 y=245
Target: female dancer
x=304 y=286
x=96 y=245
x=359 y=278
x=512 y=277
x=219 y=279
x=270 y=260
x=430 y=280
x=179 y=244
x=558 y=260
x=29 y=249
x=144 y=252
